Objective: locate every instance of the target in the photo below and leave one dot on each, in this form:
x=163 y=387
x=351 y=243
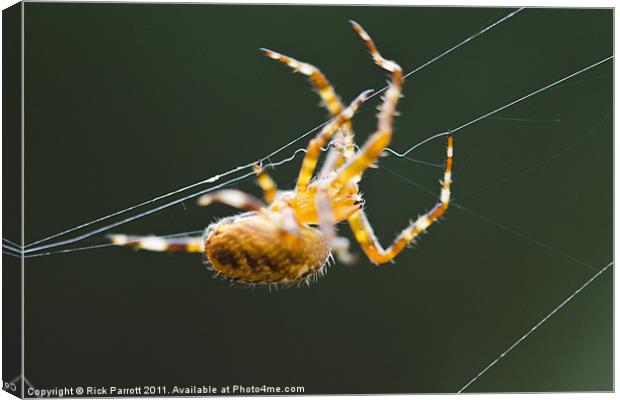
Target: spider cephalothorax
x=290 y=237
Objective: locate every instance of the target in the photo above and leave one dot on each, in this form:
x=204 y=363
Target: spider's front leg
x=324 y=88
x=313 y=150
x=378 y=141
x=365 y=236
x=331 y=101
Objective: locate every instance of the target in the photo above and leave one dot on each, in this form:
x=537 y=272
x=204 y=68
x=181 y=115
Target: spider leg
x=287 y=220
x=266 y=183
x=378 y=141
x=182 y=244
x=314 y=147
x=331 y=101
x=324 y=88
x=189 y=244
x=363 y=230
x=232 y=197
x=325 y=214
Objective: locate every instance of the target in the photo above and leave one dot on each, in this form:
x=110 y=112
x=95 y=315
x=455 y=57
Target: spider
x=290 y=238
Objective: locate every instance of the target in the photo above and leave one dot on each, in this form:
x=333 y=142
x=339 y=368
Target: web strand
x=480 y=118
x=11 y=253
x=144 y=203
x=469 y=39
x=534 y=93
x=546 y=161
x=11 y=243
x=11 y=247
x=30 y=247
x=542 y=321
x=493 y=222
x=134 y=217
x=99 y=246
x=522 y=236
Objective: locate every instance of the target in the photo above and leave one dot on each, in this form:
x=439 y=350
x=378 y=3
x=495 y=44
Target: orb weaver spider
x=278 y=242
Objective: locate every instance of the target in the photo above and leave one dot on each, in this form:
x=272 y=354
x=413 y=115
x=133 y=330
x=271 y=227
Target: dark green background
x=127 y=102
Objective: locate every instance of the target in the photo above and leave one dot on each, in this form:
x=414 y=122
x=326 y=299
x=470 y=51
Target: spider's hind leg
x=180 y=244
x=232 y=197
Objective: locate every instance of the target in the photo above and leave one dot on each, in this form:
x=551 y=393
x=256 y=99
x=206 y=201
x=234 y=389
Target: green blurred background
x=125 y=102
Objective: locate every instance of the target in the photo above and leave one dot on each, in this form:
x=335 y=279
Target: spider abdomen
x=254 y=248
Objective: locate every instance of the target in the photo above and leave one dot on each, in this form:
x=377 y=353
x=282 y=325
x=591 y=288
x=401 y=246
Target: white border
x=481 y=3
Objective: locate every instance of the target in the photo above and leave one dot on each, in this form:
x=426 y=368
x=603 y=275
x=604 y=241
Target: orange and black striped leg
x=266 y=183
x=324 y=88
x=313 y=150
x=182 y=244
x=189 y=244
x=331 y=101
x=325 y=213
x=375 y=145
x=232 y=197
x=363 y=230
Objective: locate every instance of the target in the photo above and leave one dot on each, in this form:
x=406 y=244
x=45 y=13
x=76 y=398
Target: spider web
x=35 y=248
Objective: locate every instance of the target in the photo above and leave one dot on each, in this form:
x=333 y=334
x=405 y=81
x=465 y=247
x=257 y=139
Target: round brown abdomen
x=253 y=248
